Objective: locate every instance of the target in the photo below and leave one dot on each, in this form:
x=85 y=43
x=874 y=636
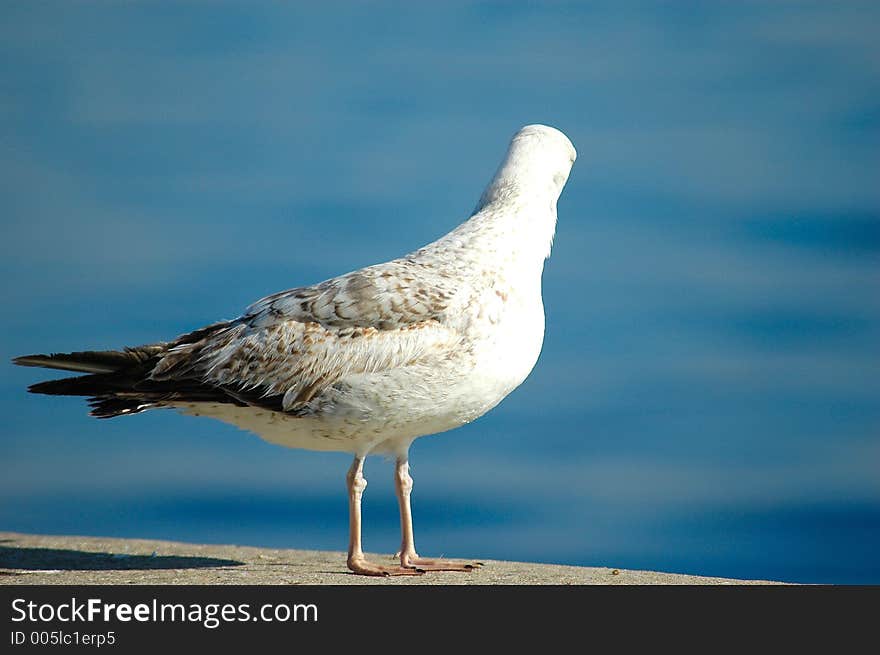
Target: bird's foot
x=438 y=564
x=361 y=566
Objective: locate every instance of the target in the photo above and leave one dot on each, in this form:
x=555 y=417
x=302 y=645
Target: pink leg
x=403 y=485
x=356 y=560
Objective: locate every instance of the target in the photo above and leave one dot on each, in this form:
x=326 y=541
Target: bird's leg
x=356 y=560
x=403 y=485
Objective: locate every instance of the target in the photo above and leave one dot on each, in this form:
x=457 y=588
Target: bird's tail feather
x=110 y=394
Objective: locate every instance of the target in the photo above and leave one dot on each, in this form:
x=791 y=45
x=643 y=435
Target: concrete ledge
x=43 y=559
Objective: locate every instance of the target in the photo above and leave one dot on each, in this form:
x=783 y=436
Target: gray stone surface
x=43 y=559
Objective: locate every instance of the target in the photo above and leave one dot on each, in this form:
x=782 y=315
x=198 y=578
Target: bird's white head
x=536 y=168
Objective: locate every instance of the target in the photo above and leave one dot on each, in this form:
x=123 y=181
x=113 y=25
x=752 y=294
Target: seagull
x=366 y=362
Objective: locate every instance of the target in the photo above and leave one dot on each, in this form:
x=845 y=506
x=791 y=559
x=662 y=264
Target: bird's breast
x=508 y=333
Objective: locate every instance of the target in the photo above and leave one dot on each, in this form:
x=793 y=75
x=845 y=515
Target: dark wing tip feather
x=31 y=360
x=94 y=361
x=62 y=387
x=84 y=362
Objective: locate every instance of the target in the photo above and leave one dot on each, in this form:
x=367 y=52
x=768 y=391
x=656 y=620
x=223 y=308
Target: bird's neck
x=514 y=234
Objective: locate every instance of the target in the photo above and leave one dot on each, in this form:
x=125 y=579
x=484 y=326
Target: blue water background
x=708 y=396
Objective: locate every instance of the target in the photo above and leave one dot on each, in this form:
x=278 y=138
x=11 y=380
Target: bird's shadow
x=40 y=559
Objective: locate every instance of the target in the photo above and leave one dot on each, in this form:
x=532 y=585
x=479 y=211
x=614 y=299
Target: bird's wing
x=292 y=345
